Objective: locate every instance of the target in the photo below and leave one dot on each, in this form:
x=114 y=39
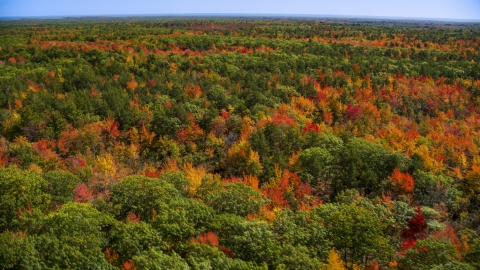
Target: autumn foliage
x=247 y=144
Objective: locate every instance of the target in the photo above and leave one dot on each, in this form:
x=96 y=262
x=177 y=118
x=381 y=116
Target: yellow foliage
x=393 y=265
x=35 y=168
x=251 y=181
x=254 y=157
x=247 y=127
x=356 y=267
x=105 y=165
x=428 y=160
x=194 y=176
x=302 y=105
x=9 y=123
x=277 y=172
x=334 y=261
x=129 y=60
x=293 y=159
x=173 y=68
x=267 y=215
x=132 y=151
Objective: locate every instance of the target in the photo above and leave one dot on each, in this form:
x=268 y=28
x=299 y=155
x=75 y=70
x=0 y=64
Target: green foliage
x=131 y=239
x=20 y=191
x=254 y=241
x=473 y=256
x=200 y=256
x=181 y=220
x=237 y=199
x=357 y=230
x=430 y=253
x=366 y=166
x=317 y=163
x=141 y=195
x=200 y=105
x=302 y=229
x=178 y=180
x=157 y=260
x=17 y=251
x=61 y=186
x=74 y=237
x=431 y=189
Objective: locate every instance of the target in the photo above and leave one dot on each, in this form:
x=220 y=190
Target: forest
x=239 y=143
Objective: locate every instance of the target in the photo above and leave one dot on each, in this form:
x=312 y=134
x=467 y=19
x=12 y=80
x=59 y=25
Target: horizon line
x=273 y=15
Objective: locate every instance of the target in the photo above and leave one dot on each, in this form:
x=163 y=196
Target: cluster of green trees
x=153 y=223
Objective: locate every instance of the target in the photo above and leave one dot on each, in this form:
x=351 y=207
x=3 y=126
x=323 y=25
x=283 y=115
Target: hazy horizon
x=233 y=15
x=460 y=10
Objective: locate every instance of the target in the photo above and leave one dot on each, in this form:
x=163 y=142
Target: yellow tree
x=334 y=261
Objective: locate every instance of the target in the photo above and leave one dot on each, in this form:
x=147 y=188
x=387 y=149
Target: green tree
x=237 y=199
x=157 y=260
x=141 y=195
x=61 y=186
x=200 y=256
x=74 y=237
x=430 y=253
x=358 y=230
x=130 y=239
x=19 y=192
x=17 y=251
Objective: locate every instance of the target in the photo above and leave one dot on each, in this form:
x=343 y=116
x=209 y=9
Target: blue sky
x=449 y=9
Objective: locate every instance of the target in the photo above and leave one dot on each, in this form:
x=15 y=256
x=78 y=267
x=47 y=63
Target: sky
x=439 y=9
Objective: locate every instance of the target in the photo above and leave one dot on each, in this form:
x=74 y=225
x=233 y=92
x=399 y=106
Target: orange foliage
x=448 y=233
x=132 y=84
x=132 y=217
x=193 y=91
x=208 y=238
x=111 y=255
x=129 y=265
x=83 y=194
x=403 y=181
x=251 y=181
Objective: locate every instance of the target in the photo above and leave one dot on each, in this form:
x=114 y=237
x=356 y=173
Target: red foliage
x=152 y=82
x=302 y=190
x=33 y=86
x=227 y=252
x=275 y=194
x=129 y=265
x=283 y=120
x=353 y=112
x=310 y=127
x=408 y=244
x=449 y=234
x=417 y=228
x=112 y=128
x=3 y=160
x=225 y=115
x=152 y=174
x=77 y=162
x=133 y=217
x=372 y=266
x=82 y=194
x=208 y=238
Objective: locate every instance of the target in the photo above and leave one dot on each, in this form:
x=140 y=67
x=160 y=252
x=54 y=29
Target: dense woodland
x=239 y=144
